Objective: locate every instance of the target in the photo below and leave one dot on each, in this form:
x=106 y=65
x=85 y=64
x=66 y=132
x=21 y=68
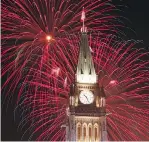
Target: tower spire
x=83 y=29
x=86 y=112
x=85 y=69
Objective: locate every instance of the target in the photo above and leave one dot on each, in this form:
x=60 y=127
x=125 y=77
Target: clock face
x=86 y=97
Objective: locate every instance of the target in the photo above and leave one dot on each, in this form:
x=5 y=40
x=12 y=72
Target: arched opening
x=84 y=133
x=96 y=135
x=79 y=132
x=102 y=102
x=90 y=133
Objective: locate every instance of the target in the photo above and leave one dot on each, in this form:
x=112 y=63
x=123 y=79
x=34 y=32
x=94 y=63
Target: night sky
x=137 y=12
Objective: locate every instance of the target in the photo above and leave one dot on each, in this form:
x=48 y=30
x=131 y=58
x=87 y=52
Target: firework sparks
x=40 y=47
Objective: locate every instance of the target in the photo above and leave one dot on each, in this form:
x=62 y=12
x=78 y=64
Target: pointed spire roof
x=85 y=69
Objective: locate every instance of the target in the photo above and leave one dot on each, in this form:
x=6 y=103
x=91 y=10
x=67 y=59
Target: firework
x=122 y=67
x=40 y=44
x=33 y=29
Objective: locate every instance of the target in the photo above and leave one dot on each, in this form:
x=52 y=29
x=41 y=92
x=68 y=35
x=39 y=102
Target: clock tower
x=86 y=112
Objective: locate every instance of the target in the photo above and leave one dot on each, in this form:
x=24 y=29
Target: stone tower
x=87 y=113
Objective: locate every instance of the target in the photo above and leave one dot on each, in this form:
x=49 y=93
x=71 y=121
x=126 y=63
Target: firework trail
x=27 y=27
x=123 y=69
x=40 y=44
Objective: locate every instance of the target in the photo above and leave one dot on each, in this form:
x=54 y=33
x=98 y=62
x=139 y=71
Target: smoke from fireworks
x=40 y=44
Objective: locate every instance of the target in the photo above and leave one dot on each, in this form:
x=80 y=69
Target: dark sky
x=137 y=12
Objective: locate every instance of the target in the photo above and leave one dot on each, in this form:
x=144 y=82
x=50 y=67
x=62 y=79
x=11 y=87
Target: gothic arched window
x=79 y=132
x=96 y=132
x=90 y=133
x=84 y=133
x=102 y=102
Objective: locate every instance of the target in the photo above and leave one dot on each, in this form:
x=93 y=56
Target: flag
x=83 y=15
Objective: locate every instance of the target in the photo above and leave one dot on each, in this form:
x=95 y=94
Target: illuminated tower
x=87 y=115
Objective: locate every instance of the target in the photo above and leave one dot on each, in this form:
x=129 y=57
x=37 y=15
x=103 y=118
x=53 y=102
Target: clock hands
x=86 y=97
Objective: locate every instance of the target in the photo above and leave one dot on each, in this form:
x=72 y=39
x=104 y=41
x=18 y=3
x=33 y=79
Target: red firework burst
x=123 y=71
x=39 y=56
